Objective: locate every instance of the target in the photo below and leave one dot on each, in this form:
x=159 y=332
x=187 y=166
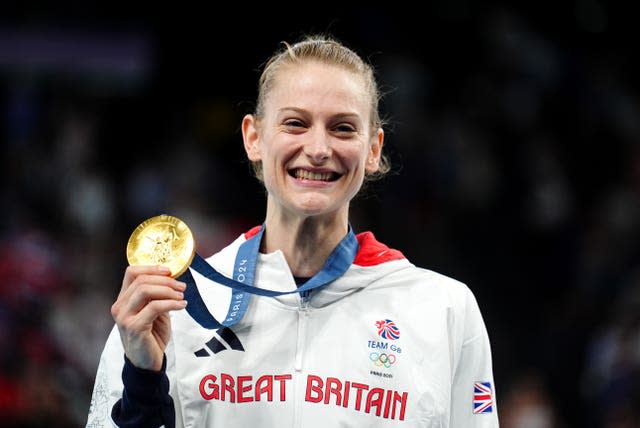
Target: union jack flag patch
x=482 y=398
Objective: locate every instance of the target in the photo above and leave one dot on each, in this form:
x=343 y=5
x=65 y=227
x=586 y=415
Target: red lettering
x=283 y=385
x=333 y=387
x=242 y=389
x=387 y=404
x=360 y=387
x=208 y=387
x=228 y=384
x=374 y=399
x=314 y=384
x=345 y=402
x=403 y=404
x=267 y=388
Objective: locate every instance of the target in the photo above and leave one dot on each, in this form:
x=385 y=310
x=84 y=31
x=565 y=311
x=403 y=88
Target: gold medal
x=162 y=240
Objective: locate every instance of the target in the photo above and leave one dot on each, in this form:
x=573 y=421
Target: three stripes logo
x=224 y=339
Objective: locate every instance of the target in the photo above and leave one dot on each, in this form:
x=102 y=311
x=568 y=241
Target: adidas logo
x=225 y=338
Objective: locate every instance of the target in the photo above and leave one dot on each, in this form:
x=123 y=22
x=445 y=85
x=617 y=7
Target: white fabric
x=310 y=363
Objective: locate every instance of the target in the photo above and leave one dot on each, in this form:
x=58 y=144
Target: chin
x=310 y=211
x=313 y=207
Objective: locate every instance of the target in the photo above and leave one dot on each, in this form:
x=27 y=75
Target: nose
x=317 y=148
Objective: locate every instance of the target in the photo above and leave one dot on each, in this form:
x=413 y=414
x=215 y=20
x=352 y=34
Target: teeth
x=310 y=175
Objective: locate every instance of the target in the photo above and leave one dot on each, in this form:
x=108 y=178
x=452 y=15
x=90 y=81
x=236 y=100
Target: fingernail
x=182 y=285
x=164 y=269
x=179 y=295
x=183 y=303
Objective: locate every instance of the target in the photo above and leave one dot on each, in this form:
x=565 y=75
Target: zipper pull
x=304 y=299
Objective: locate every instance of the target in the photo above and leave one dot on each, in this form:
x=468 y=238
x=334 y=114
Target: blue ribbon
x=244 y=272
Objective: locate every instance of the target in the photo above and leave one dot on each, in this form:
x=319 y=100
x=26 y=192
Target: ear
x=251 y=137
x=375 y=151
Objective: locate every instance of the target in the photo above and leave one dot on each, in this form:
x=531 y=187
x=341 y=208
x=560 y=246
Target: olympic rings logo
x=383 y=359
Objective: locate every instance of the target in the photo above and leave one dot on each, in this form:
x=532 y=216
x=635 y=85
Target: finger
x=153 y=310
x=146 y=279
x=148 y=293
x=132 y=272
x=126 y=304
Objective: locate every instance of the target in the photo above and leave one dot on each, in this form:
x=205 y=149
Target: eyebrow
x=306 y=112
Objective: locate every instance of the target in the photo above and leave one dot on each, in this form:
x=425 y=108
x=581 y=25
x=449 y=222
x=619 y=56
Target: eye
x=294 y=123
x=294 y=126
x=345 y=129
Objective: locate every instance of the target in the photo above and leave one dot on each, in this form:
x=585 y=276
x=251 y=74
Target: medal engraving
x=163 y=240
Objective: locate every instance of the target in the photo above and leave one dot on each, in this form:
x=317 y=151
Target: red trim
x=252 y=232
x=371 y=251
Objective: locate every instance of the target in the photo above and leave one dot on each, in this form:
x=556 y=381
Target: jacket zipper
x=303 y=317
x=303 y=313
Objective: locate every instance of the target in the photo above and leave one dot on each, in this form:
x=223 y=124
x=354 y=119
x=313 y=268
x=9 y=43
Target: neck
x=306 y=242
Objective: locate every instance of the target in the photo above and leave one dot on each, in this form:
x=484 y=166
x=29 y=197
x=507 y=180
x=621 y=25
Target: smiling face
x=314 y=139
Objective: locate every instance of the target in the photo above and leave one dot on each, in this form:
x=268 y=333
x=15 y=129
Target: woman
x=369 y=340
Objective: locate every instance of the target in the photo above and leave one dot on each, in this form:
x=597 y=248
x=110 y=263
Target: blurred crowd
x=516 y=153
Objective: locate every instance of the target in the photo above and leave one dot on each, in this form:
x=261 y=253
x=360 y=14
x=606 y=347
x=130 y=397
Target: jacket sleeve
x=473 y=398
x=145 y=401
x=142 y=400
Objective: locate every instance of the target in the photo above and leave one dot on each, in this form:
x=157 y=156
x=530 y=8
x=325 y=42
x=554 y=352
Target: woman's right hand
x=142 y=313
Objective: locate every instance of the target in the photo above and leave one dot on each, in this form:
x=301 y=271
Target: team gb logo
x=387 y=329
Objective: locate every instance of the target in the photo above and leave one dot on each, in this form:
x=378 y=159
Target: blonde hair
x=328 y=51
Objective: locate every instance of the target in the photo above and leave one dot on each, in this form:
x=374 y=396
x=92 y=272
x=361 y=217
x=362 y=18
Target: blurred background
x=514 y=132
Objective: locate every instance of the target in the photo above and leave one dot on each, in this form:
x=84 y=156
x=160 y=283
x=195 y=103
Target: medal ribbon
x=244 y=271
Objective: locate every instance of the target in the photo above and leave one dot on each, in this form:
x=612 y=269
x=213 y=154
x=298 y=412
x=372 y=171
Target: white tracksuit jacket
x=386 y=344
